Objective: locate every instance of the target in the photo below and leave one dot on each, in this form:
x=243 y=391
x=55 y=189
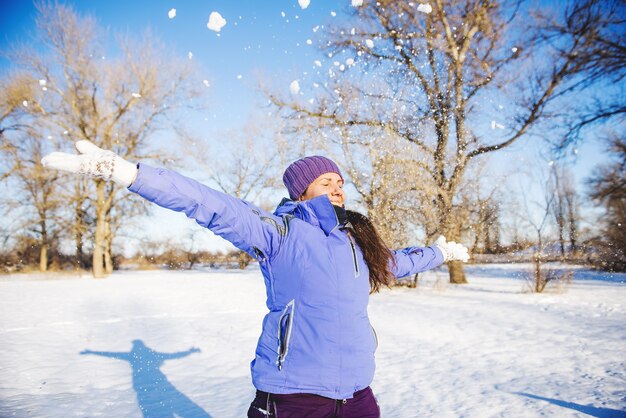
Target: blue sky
x=256 y=38
x=267 y=37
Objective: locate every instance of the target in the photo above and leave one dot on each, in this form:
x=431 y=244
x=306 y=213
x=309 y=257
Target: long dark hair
x=378 y=257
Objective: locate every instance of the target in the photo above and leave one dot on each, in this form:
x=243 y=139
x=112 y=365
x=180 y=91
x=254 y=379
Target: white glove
x=451 y=250
x=94 y=162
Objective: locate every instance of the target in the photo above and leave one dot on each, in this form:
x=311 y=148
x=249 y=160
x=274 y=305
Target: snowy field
x=179 y=343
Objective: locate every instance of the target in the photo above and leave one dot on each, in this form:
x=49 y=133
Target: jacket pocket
x=285 y=329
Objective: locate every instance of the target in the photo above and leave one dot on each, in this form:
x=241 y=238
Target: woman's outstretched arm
x=235 y=220
x=414 y=260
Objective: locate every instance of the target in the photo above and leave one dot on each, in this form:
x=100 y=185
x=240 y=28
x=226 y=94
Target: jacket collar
x=317 y=211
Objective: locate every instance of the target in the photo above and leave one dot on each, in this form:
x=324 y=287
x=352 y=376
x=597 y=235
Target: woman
x=315 y=355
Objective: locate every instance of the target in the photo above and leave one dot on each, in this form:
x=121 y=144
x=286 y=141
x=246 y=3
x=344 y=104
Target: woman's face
x=329 y=184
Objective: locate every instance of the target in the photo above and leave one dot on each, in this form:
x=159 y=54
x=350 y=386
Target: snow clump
x=304 y=3
x=369 y=43
x=171 y=14
x=294 y=87
x=425 y=8
x=216 y=22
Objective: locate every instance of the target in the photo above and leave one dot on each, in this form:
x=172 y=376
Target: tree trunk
x=78 y=239
x=562 y=240
x=413 y=283
x=457 y=275
x=43 y=251
x=573 y=229
x=100 y=235
x=79 y=221
x=108 y=259
x=451 y=231
x=540 y=283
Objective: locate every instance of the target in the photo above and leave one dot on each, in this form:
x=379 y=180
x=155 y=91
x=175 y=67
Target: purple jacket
x=316 y=337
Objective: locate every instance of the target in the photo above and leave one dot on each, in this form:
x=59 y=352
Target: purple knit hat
x=301 y=173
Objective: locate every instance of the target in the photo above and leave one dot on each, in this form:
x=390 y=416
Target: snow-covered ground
x=74 y=346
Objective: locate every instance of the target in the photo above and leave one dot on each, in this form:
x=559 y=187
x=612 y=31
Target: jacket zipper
x=354 y=258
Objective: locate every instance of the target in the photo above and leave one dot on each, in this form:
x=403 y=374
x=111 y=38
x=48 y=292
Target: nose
x=337 y=191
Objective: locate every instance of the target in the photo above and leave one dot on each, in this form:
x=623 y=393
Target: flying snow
x=309 y=42
x=425 y=8
x=190 y=55
x=357 y=3
x=171 y=14
x=369 y=43
x=216 y=22
x=318 y=63
x=25 y=103
x=42 y=82
x=206 y=83
x=294 y=87
x=349 y=61
x=333 y=14
x=304 y=3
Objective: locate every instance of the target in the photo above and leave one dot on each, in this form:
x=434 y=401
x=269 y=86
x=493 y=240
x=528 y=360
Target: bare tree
x=536 y=213
x=564 y=209
x=485 y=225
x=37 y=188
x=116 y=103
x=22 y=148
x=608 y=187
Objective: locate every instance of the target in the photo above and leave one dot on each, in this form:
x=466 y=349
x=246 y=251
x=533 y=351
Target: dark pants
x=300 y=405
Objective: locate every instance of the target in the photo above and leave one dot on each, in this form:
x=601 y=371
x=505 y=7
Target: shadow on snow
x=156 y=396
x=585 y=409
